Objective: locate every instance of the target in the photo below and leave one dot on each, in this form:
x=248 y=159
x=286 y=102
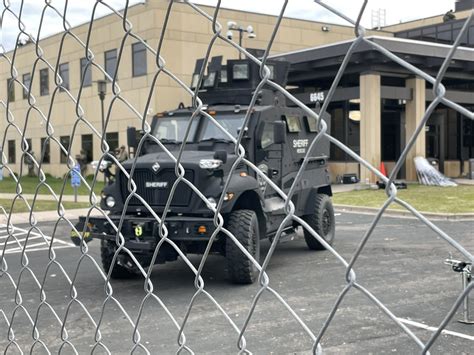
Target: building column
x=370 y=124
x=414 y=111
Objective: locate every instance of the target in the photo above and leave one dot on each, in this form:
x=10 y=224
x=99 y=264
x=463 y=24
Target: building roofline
x=391 y=43
x=145 y=2
x=293 y=18
x=422 y=19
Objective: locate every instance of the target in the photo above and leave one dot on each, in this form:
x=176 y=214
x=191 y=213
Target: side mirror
x=221 y=155
x=132 y=137
x=279 y=132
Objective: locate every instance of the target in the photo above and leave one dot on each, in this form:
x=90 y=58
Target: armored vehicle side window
x=240 y=71
x=293 y=123
x=267 y=135
x=224 y=76
x=194 y=81
x=311 y=124
x=210 y=80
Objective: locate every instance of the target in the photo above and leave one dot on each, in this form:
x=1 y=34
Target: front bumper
x=143 y=232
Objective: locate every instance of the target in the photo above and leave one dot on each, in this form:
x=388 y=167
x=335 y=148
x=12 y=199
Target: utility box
x=470 y=173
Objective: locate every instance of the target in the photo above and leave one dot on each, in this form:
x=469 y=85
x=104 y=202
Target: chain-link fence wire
x=8 y=319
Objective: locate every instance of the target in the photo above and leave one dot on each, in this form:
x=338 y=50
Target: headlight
x=210 y=164
x=212 y=202
x=110 y=201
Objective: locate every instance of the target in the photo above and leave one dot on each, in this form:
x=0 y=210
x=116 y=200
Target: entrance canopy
x=379 y=103
x=316 y=68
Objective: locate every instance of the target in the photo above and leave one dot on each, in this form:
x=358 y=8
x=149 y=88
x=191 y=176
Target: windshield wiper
x=220 y=140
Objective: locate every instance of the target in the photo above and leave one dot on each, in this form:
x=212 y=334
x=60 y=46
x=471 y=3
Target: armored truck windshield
x=173 y=128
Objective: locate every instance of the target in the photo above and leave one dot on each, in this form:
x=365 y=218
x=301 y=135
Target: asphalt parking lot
x=402 y=264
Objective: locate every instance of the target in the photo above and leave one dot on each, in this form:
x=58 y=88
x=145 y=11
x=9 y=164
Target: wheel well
x=250 y=200
x=325 y=190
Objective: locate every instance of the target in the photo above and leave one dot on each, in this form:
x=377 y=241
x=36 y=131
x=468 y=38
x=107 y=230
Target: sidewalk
x=464 y=181
x=337 y=188
x=29 y=197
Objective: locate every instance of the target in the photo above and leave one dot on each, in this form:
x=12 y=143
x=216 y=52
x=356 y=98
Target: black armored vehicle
x=276 y=140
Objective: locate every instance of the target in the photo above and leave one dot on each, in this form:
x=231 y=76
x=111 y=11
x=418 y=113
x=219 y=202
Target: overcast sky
x=79 y=11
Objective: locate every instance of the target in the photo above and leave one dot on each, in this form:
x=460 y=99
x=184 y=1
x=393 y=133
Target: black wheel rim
x=326 y=223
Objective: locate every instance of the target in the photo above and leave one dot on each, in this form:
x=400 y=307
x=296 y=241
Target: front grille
x=158 y=196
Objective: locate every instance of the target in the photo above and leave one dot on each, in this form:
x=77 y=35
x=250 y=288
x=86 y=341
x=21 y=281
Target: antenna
x=379 y=18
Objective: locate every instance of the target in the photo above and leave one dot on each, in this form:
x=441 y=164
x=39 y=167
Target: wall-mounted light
x=325 y=28
x=354 y=115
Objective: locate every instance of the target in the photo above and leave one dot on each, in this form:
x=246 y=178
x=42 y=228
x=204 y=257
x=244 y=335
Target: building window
x=86 y=73
x=44 y=82
x=45 y=151
x=112 y=140
x=87 y=147
x=27 y=83
x=64 y=140
x=11 y=89
x=110 y=60
x=64 y=74
x=11 y=152
x=138 y=59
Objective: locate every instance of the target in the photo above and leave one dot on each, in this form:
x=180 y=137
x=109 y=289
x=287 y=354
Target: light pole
x=102 y=90
x=233 y=26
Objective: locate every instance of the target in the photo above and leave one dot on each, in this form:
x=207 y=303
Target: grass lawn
x=458 y=199
x=29 y=185
x=39 y=205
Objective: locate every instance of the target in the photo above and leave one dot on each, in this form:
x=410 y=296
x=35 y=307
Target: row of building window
x=139 y=68
x=87 y=148
x=445 y=33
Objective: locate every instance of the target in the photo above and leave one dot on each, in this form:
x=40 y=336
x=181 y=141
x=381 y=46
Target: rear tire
x=243 y=224
x=107 y=251
x=322 y=220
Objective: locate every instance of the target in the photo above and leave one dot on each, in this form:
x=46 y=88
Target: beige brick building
x=186 y=39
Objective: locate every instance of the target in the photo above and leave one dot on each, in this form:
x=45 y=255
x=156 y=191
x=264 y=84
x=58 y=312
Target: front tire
x=322 y=220
x=107 y=251
x=243 y=224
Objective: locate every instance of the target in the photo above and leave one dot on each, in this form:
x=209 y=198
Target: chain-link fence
x=33 y=333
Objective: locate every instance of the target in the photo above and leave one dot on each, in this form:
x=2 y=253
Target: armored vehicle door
x=301 y=131
x=269 y=154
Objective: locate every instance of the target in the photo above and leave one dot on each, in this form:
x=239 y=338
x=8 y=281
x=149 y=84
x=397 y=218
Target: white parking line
x=17 y=244
x=434 y=329
x=14 y=234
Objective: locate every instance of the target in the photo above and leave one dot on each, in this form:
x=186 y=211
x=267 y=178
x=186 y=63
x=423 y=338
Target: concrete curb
x=48 y=216
x=405 y=213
